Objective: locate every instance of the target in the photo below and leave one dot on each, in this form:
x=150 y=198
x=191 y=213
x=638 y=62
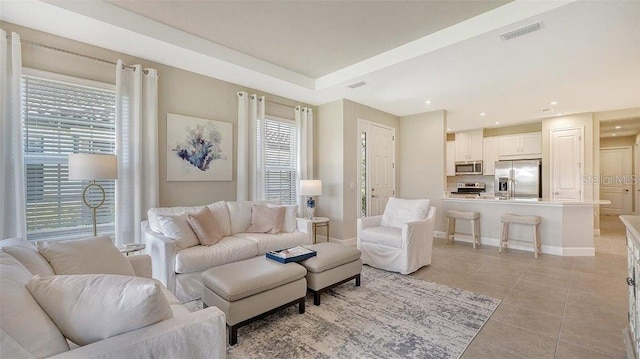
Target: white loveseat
x=28 y=332
x=180 y=269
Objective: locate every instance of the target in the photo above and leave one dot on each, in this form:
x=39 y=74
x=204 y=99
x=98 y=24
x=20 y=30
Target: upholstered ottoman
x=334 y=264
x=252 y=289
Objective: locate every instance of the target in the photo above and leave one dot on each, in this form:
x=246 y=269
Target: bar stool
x=474 y=217
x=533 y=221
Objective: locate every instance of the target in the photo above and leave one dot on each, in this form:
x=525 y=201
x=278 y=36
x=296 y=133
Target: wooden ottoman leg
x=233 y=335
x=301 y=305
x=358 y=280
x=316 y=298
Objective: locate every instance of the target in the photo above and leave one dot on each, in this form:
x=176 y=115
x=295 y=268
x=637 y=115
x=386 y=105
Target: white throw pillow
x=400 y=211
x=177 y=228
x=240 y=213
x=89 y=308
x=22 y=318
x=96 y=255
x=27 y=254
x=289 y=223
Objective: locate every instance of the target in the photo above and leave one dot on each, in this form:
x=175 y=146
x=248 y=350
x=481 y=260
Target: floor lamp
x=92 y=167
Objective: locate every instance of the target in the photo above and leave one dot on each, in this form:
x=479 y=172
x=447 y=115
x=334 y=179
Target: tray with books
x=295 y=254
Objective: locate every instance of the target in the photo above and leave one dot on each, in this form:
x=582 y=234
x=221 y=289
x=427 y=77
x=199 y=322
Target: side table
x=311 y=226
x=127 y=249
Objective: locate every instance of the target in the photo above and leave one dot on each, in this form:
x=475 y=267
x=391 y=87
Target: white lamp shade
x=92 y=167
x=310 y=187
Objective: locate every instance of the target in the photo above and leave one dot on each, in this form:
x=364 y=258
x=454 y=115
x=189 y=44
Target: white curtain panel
x=249 y=181
x=304 y=124
x=137 y=149
x=13 y=222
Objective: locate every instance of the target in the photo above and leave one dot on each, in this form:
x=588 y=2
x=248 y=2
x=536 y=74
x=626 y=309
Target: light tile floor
x=552 y=307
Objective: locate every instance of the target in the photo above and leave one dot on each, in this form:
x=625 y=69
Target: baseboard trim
x=439 y=234
x=554 y=250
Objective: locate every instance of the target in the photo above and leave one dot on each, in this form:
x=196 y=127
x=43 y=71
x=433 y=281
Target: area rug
x=388 y=316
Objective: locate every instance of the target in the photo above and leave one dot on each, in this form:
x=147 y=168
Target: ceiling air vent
x=356 y=84
x=522 y=31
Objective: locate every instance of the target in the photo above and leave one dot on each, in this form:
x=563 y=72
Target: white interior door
x=381 y=172
x=616 y=184
x=566 y=164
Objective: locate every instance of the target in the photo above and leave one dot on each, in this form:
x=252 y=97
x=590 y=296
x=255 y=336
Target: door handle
x=626 y=190
x=373 y=196
x=556 y=193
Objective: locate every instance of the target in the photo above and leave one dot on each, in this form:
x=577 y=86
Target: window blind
x=61 y=118
x=280 y=160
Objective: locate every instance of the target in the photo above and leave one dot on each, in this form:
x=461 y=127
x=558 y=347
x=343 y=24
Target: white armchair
x=394 y=244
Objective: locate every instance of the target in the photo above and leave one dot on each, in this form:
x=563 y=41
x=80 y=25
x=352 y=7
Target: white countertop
x=632 y=223
x=524 y=201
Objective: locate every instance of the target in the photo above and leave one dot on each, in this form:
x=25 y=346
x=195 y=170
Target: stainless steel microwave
x=469 y=168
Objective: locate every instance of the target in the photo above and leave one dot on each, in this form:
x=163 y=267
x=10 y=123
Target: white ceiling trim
x=489 y=21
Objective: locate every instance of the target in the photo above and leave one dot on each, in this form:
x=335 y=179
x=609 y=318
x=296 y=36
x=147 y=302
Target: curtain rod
x=36 y=44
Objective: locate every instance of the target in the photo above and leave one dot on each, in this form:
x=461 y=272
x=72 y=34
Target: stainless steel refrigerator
x=518 y=179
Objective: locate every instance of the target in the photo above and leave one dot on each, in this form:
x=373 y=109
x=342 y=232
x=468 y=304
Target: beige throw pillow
x=289 y=223
x=206 y=227
x=89 y=308
x=96 y=255
x=266 y=220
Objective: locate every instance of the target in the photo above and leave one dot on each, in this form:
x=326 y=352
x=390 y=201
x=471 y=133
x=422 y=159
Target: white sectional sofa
x=180 y=269
x=28 y=332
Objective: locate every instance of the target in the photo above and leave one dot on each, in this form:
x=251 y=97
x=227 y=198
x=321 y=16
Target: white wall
x=329 y=164
x=422 y=159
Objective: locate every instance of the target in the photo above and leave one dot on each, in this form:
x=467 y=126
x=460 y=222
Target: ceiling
x=586 y=57
x=625 y=127
x=313 y=38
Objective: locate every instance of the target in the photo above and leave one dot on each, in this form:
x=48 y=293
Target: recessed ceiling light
x=483 y=113
x=428 y=102
x=613 y=134
x=497 y=122
x=618 y=127
x=553 y=103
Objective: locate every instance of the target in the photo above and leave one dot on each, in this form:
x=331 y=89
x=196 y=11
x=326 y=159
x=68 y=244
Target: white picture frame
x=199 y=149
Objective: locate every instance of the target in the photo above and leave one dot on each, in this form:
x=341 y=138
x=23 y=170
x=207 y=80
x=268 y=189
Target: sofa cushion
x=27 y=254
x=22 y=318
x=176 y=227
x=89 y=308
x=240 y=214
x=229 y=249
x=206 y=227
x=219 y=210
x=400 y=211
x=386 y=236
x=266 y=219
x=289 y=224
x=273 y=242
x=330 y=255
x=96 y=255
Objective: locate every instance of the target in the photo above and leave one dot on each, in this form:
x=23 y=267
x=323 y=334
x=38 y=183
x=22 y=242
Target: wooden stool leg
x=473 y=232
x=476 y=222
x=536 y=243
x=501 y=238
x=451 y=230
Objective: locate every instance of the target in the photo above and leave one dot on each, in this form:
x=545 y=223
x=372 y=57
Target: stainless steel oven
x=469 y=168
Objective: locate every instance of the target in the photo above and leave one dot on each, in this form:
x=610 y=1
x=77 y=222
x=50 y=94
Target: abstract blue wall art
x=198 y=149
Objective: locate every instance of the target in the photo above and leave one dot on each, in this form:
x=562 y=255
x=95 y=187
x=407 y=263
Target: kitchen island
x=566 y=228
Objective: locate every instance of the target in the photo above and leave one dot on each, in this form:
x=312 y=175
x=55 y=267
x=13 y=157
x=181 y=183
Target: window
x=280 y=159
x=64 y=115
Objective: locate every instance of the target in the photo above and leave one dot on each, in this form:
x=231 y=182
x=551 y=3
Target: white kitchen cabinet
x=451 y=158
x=489 y=155
x=521 y=146
x=469 y=146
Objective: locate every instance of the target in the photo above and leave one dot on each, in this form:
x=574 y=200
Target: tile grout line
x=564 y=310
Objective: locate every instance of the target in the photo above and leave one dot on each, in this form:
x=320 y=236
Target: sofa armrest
x=422 y=229
x=372 y=221
x=195 y=335
x=141 y=265
x=163 y=256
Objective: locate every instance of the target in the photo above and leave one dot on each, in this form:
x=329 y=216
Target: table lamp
x=92 y=167
x=311 y=188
